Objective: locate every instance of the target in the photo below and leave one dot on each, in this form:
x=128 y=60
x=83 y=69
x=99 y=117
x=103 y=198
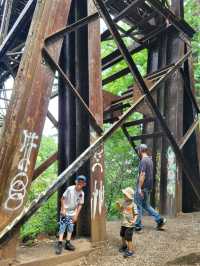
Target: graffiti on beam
x=97 y=199
x=97 y=161
x=171 y=172
x=17 y=190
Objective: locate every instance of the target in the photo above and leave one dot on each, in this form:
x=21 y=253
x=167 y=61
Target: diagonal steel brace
x=195 y=182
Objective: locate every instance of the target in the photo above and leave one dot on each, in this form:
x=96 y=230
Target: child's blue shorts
x=66 y=223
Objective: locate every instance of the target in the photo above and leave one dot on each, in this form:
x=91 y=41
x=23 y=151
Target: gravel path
x=178 y=244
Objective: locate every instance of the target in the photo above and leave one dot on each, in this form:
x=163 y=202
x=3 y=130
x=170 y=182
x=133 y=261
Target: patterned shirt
x=72 y=199
x=129 y=211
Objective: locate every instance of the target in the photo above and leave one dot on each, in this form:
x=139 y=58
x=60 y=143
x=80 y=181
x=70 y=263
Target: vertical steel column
x=84 y=70
x=98 y=225
x=27 y=111
x=191 y=149
x=67 y=109
x=152 y=65
x=162 y=144
x=82 y=121
x=190 y=175
x=173 y=113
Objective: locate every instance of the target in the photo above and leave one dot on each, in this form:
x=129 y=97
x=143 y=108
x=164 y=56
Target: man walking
x=144 y=187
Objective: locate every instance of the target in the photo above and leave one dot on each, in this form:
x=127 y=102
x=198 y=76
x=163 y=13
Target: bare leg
x=69 y=234
x=61 y=237
x=130 y=246
x=123 y=242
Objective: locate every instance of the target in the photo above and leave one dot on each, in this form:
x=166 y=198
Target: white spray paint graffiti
x=17 y=190
x=171 y=172
x=97 y=199
x=97 y=163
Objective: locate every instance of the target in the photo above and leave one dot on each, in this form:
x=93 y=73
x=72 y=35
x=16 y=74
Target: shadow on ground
x=190 y=259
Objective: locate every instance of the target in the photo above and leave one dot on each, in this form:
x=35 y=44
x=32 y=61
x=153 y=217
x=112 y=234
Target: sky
x=49 y=129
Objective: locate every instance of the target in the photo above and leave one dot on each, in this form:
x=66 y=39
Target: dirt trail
x=179 y=244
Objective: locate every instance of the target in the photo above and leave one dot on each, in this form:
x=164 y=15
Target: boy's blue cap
x=81 y=177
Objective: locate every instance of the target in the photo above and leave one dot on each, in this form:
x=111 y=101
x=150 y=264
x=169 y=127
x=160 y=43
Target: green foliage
x=44 y=220
x=120 y=169
x=121 y=84
x=192 y=10
x=120 y=159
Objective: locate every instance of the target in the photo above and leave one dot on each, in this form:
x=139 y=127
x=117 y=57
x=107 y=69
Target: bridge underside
x=37 y=49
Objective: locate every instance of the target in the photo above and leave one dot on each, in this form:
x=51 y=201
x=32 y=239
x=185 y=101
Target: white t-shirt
x=72 y=199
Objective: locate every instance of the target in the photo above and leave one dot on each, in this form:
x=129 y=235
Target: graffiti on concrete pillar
x=17 y=190
x=171 y=172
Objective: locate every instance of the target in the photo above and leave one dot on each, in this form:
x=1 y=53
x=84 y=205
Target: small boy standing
x=129 y=215
x=71 y=204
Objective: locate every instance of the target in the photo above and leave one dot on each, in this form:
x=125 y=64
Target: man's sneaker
x=161 y=223
x=123 y=249
x=69 y=246
x=138 y=228
x=128 y=254
x=59 y=248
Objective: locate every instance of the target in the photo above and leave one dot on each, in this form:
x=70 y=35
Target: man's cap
x=141 y=147
x=81 y=177
x=128 y=192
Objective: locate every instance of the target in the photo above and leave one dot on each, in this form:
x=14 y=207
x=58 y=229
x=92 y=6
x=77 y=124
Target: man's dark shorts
x=127 y=233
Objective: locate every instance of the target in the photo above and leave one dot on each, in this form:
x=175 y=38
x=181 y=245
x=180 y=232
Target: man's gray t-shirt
x=146 y=166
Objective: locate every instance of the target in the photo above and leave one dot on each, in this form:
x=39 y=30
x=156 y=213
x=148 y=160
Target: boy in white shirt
x=71 y=204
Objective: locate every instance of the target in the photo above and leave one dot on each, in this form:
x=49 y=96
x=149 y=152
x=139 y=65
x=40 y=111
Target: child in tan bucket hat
x=129 y=215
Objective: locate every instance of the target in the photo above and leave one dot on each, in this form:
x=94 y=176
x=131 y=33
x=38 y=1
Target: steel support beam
x=26 y=13
x=48 y=162
x=5 y=19
x=10 y=229
x=26 y=116
x=189 y=133
x=125 y=131
x=108 y=20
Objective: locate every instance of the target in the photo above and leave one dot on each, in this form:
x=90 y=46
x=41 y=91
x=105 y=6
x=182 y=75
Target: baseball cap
x=141 y=147
x=81 y=177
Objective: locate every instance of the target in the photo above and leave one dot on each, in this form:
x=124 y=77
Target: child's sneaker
x=123 y=249
x=161 y=223
x=128 y=254
x=59 y=248
x=69 y=246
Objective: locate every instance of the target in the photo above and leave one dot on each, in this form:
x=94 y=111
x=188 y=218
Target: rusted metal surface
x=52 y=119
x=41 y=168
x=52 y=63
x=98 y=226
x=86 y=87
x=72 y=168
x=108 y=99
x=125 y=131
x=20 y=22
x=189 y=133
x=4 y=23
x=27 y=111
x=135 y=72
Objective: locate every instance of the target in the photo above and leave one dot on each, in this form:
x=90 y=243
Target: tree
x=44 y=220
